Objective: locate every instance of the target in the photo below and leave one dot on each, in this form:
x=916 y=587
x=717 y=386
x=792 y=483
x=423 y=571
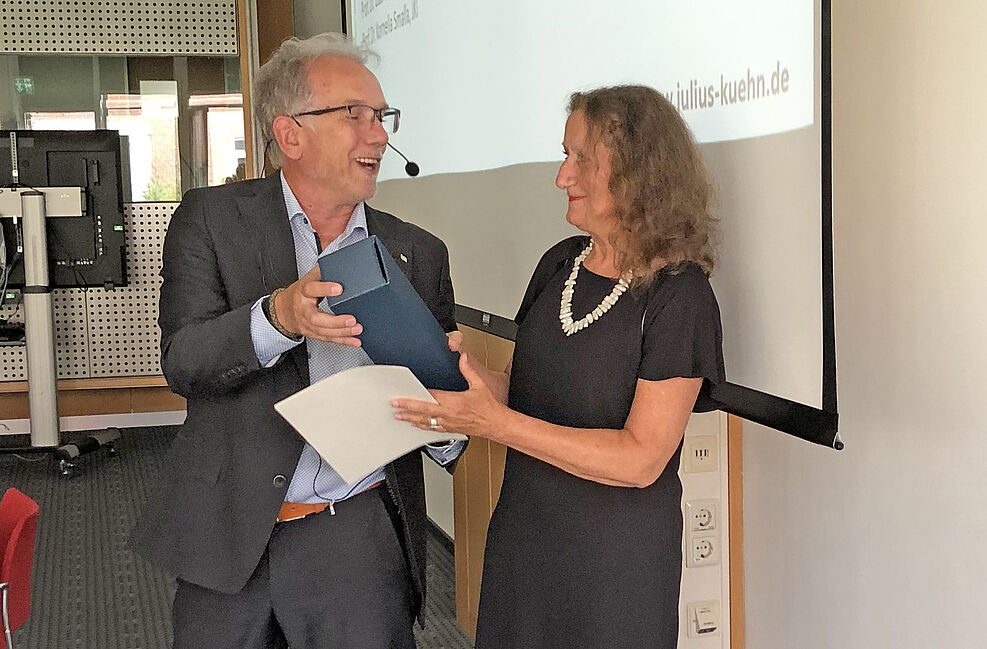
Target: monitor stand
x=39 y=329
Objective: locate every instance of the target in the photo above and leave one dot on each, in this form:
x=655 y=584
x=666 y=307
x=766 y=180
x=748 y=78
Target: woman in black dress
x=618 y=342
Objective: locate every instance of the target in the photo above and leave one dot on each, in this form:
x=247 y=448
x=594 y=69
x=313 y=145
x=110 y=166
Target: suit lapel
x=398 y=245
x=265 y=215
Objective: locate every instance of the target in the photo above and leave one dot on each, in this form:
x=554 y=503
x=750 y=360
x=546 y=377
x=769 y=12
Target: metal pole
x=39 y=324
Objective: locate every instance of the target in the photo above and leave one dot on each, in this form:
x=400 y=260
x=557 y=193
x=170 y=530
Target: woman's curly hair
x=661 y=188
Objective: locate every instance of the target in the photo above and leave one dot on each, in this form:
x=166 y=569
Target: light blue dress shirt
x=314 y=479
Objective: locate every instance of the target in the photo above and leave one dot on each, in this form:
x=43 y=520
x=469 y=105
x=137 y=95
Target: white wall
x=882 y=545
x=438 y=496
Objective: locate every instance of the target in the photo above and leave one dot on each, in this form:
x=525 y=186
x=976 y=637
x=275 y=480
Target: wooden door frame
x=273 y=21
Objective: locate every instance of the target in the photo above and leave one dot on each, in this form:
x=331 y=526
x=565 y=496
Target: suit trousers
x=325 y=582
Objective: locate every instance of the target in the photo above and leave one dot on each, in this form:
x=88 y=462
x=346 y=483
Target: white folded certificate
x=349 y=420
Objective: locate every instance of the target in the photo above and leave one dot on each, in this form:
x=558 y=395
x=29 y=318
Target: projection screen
x=483 y=88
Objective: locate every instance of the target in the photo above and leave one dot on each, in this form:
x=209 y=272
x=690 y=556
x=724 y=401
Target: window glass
x=181 y=118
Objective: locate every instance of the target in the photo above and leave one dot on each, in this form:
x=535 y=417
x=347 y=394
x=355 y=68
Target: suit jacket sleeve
x=206 y=346
x=445 y=311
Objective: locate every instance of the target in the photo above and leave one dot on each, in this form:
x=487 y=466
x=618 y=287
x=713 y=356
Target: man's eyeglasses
x=389 y=118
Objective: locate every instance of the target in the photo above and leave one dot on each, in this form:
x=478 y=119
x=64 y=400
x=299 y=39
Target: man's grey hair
x=281 y=85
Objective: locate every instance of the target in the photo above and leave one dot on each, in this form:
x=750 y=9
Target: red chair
x=18 y=524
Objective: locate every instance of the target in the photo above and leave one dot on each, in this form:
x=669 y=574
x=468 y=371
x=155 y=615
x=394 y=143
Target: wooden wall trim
x=476 y=487
x=243 y=41
x=460 y=484
x=471 y=507
x=275 y=23
x=74 y=402
x=735 y=482
x=92 y=384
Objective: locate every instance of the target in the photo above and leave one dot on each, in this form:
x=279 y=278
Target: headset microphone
x=411 y=168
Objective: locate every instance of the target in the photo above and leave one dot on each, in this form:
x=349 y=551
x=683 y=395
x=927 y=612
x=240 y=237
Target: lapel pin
x=403 y=258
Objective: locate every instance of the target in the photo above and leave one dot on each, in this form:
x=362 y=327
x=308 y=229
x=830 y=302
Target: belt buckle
x=293 y=518
x=303 y=513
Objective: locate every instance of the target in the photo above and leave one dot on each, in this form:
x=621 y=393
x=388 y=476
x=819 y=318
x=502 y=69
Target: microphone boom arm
x=410 y=168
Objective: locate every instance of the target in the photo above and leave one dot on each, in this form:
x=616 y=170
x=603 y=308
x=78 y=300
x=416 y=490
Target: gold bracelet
x=274 y=317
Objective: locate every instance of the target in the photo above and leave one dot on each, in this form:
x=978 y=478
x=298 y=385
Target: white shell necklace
x=565 y=309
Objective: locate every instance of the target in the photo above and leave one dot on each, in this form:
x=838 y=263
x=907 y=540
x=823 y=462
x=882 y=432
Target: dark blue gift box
x=398 y=329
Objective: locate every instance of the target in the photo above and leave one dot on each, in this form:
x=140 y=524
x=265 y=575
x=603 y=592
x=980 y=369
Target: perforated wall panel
x=123 y=323
x=12 y=359
x=71 y=338
x=101 y=333
x=193 y=27
x=71 y=333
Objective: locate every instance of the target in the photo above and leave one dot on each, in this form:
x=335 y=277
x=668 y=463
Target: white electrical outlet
x=700 y=454
x=702 y=551
x=701 y=515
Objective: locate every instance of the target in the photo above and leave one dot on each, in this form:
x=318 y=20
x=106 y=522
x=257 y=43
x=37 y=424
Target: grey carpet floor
x=89 y=591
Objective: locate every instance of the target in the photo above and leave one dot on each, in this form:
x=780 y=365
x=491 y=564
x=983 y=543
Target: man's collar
x=291 y=203
x=358 y=219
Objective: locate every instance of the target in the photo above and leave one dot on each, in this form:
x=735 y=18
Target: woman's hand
x=497 y=382
x=455 y=340
x=474 y=412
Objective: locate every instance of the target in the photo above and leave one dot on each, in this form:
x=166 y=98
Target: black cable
x=80 y=279
x=315 y=490
x=27 y=459
x=8 y=265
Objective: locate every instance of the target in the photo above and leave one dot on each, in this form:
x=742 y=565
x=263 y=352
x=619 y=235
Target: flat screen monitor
x=85 y=251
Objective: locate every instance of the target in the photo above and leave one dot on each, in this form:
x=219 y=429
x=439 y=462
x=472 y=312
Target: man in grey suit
x=271 y=547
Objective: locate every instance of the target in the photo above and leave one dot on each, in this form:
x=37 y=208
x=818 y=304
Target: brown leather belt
x=294 y=511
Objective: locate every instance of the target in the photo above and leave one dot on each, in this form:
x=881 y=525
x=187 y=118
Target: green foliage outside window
x=159 y=190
